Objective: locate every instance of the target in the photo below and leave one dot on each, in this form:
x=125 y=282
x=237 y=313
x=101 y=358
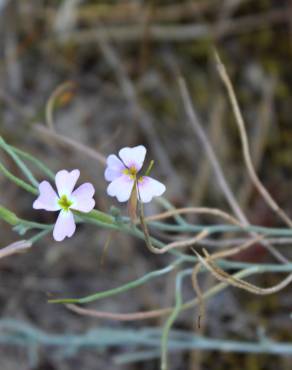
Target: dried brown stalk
x=223 y=276
x=197 y=210
x=245 y=144
x=220 y=254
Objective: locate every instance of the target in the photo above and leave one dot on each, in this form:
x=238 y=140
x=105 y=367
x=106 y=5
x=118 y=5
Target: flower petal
x=133 y=156
x=65 y=181
x=47 y=199
x=82 y=198
x=121 y=188
x=114 y=168
x=149 y=188
x=65 y=226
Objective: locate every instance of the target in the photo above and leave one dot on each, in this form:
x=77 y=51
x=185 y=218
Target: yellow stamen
x=132 y=172
x=65 y=203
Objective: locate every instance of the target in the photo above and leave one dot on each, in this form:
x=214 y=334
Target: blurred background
x=114 y=67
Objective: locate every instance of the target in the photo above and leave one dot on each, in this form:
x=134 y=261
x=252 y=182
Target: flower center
x=65 y=203
x=132 y=172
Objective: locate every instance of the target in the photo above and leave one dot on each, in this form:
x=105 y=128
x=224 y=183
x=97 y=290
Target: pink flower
x=65 y=201
x=123 y=174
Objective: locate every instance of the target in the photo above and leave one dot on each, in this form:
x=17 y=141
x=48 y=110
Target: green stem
x=256 y=269
x=151 y=164
x=8 y=216
x=177 y=308
x=40 y=235
x=13 y=220
x=19 y=162
x=35 y=161
x=97 y=217
x=168 y=206
x=222 y=229
x=36 y=225
x=120 y=289
x=24 y=185
x=211 y=292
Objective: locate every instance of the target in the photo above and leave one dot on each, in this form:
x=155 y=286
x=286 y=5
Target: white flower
x=65 y=201
x=123 y=174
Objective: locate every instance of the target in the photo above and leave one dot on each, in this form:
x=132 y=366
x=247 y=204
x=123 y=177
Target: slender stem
x=19 y=162
x=120 y=289
x=151 y=164
x=40 y=235
x=35 y=161
x=172 y=317
x=143 y=315
x=36 y=225
x=167 y=205
x=245 y=144
x=24 y=185
x=98 y=217
x=8 y=216
x=222 y=229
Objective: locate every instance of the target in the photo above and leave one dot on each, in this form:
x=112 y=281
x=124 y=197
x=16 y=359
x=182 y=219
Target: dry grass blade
x=118 y=316
x=52 y=100
x=245 y=144
x=177 y=244
x=185 y=243
x=197 y=128
x=220 y=254
x=60 y=139
x=223 y=276
x=197 y=210
x=217 y=168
